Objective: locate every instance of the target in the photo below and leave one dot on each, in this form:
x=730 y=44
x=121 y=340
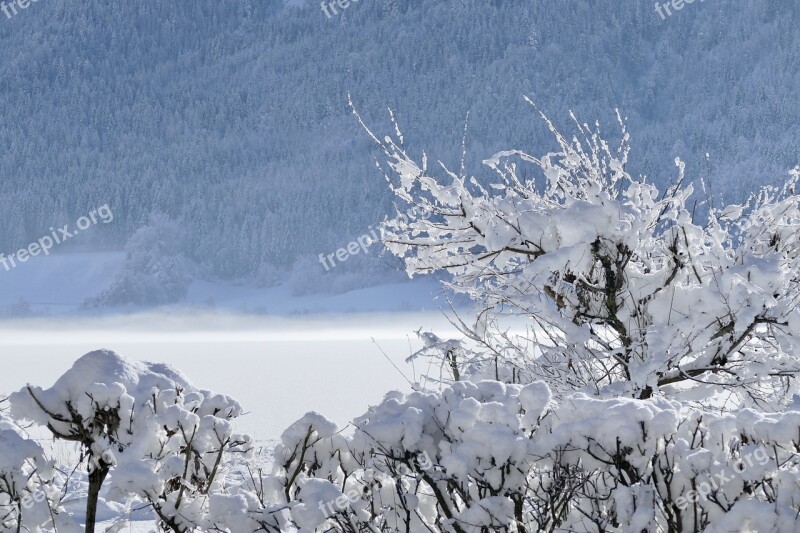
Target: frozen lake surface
x=278 y=368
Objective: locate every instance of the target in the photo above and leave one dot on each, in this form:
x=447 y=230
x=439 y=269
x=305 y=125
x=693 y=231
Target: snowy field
x=277 y=367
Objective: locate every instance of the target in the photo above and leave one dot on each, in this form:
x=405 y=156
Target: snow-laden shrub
x=161 y=439
x=30 y=495
x=489 y=456
x=475 y=456
x=626 y=290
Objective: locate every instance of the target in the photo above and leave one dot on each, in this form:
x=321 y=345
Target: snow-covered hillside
x=230 y=117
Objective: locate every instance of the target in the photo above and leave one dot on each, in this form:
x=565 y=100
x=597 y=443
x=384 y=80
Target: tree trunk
x=96 y=478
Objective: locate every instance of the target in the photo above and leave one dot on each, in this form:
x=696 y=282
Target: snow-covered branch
x=626 y=291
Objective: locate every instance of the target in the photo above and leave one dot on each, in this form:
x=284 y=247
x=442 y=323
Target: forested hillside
x=230 y=117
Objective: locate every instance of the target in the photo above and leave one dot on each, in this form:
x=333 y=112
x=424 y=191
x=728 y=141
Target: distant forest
x=228 y=119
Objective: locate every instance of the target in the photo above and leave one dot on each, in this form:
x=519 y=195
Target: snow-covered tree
x=156 y=270
x=167 y=442
x=626 y=289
